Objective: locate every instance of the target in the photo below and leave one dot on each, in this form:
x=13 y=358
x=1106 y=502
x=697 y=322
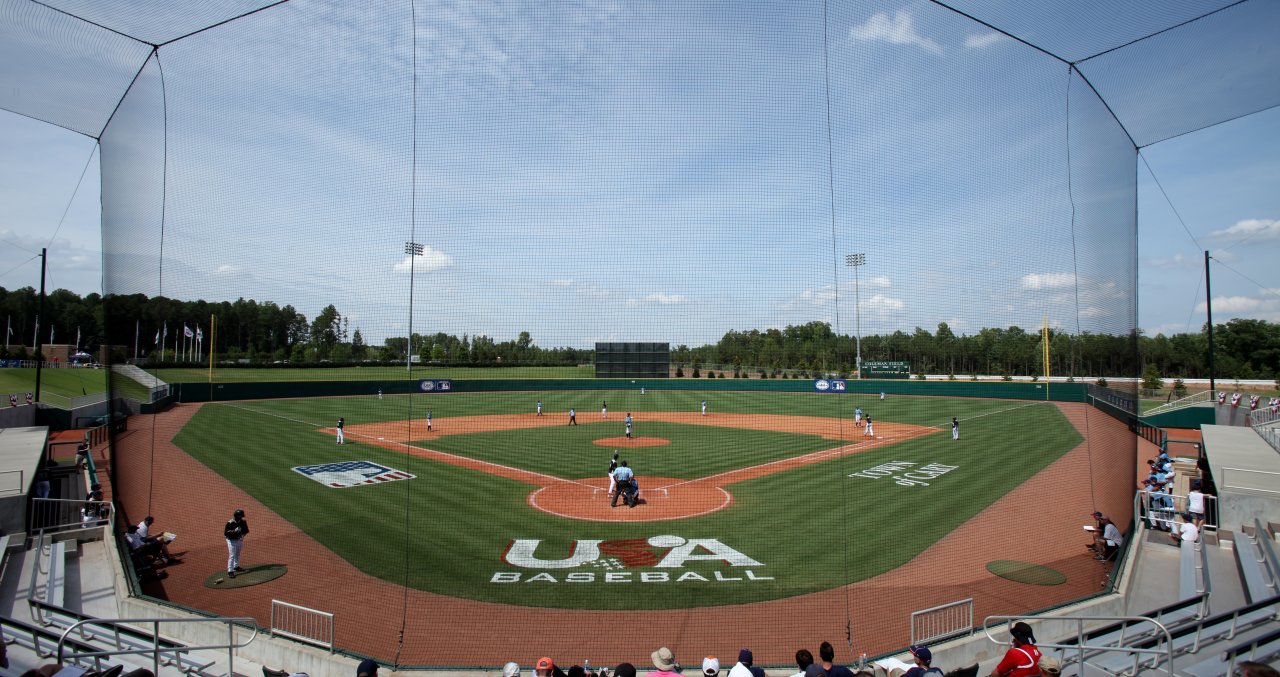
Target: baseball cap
x=625 y=670
x=922 y=652
x=544 y=663
x=511 y=669
x=1050 y=666
x=367 y=666
x=663 y=659
x=1097 y=514
x=1023 y=632
x=710 y=666
x=744 y=656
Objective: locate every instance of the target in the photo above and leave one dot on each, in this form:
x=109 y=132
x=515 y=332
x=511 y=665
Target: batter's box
x=345 y=474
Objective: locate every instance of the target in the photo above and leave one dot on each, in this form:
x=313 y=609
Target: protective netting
x=777 y=190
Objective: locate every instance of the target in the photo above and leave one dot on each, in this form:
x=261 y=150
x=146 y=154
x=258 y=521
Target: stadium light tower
x=414 y=250
x=856 y=261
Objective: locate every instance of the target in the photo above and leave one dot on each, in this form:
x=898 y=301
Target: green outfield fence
x=220 y=392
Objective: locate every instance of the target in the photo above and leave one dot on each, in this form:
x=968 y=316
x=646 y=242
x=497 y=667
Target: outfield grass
x=812 y=528
x=57 y=386
x=362 y=373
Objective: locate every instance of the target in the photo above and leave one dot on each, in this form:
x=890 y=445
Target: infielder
x=881 y=395
x=573 y=417
x=857 y=416
x=235 y=531
x=955 y=428
x=868 y=432
x=704 y=407
x=341 y=423
x=628 y=425
x=428 y=420
x=539 y=407
x=604 y=410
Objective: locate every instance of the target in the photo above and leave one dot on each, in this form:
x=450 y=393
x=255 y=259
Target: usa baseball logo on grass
x=345 y=474
x=657 y=559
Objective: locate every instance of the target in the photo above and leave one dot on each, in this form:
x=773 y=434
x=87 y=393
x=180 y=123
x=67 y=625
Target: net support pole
x=1208 y=308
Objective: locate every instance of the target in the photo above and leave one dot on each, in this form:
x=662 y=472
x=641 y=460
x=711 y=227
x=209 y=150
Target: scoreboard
x=633 y=360
x=886 y=370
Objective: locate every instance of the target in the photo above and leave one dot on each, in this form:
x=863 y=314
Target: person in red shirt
x=1023 y=660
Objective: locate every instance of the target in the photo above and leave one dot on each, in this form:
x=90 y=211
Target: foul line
x=947 y=424
x=463 y=461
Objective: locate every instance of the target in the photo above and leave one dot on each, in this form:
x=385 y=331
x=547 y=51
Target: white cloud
x=226 y=269
x=881 y=282
x=1048 y=280
x=982 y=41
x=431 y=259
x=883 y=303
x=1233 y=304
x=1254 y=229
x=593 y=291
x=665 y=299
x=561 y=283
x=899 y=29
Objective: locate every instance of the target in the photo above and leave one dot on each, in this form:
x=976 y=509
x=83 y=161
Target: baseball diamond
x=508 y=510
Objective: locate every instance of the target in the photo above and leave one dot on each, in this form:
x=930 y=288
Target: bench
x=55 y=586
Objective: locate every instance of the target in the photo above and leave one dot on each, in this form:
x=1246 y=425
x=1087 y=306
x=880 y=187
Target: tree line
x=265 y=332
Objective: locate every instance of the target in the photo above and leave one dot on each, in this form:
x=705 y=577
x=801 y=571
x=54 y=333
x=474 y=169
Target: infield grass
x=811 y=528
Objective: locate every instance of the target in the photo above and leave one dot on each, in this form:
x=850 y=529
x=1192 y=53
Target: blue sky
x=616 y=172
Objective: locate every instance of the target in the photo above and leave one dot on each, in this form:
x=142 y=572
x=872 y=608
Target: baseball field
x=766 y=497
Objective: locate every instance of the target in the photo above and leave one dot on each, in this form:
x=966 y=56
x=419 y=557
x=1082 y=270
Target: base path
x=664 y=499
x=440 y=630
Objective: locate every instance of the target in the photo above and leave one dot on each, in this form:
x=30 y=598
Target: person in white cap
x=511 y=669
x=710 y=666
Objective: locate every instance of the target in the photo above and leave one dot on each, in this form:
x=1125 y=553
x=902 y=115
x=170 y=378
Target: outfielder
x=341 y=423
x=955 y=428
x=573 y=417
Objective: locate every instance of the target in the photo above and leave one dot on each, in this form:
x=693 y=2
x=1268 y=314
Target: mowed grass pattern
x=812 y=527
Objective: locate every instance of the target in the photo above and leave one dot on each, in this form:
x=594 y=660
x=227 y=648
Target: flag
x=157 y=341
x=199 y=334
x=186 y=331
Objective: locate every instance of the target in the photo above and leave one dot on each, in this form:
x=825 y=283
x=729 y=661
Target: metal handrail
x=1260 y=555
x=156 y=650
x=1181 y=403
x=1080 y=646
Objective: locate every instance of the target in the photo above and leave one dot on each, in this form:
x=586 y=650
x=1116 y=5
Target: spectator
x=1186 y=531
x=814 y=671
x=804 y=658
x=1196 y=504
x=710 y=666
x=547 y=668
x=1050 y=667
x=665 y=662
x=1023 y=659
x=624 y=670
x=827 y=654
x=367 y=668
x=89 y=514
x=512 y=668
x=42 y=483
x=923 y=658
x=147 y=549
x=1253 y=669
x=577 y=671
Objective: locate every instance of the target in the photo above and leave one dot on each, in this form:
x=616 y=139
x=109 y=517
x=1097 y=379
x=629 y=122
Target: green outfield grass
x=362 y=373
x=57 y=386
x=809 y=528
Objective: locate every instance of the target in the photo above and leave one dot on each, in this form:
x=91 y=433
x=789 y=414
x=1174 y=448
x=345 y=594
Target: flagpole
x=8 y=329
x=213 y=324
x=137 y=329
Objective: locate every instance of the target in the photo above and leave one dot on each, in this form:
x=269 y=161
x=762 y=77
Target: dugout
x=633 y=360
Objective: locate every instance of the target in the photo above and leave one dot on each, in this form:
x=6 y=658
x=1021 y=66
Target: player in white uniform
x=869 y=431
x=341 y=423
x=955 y=428
x=539 y=407
x=628 y=425
x=704 y=407
x=604 y=410
x=428 y=421
x=857 y=416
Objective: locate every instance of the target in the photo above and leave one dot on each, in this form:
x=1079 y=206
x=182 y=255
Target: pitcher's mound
x=632 y=442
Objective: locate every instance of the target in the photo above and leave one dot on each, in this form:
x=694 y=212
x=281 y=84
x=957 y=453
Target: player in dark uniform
x=235 y=531
x=613 y=465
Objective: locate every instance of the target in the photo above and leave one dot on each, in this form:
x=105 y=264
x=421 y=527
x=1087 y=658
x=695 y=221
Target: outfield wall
x=215 y=392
